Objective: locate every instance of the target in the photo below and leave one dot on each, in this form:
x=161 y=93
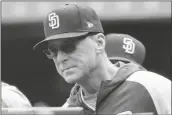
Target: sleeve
x=157 y=89
x=129 y=97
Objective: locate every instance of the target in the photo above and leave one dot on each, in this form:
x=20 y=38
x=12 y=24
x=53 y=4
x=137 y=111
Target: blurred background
x=35 y=75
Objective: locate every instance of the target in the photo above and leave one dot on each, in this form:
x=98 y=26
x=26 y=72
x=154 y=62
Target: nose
x=61 y=57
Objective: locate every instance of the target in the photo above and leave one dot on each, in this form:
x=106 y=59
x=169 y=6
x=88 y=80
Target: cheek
x=56 y=65
x=86 y=52
x=91 y=60
x=85 y=59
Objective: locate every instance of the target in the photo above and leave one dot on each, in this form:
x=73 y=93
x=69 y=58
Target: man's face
x=74 y=59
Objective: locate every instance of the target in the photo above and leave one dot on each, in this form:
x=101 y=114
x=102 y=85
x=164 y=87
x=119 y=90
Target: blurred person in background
x=12 y=97
x=75 y=41
x=123 y=48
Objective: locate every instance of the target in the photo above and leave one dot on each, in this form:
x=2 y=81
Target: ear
x=100 y=41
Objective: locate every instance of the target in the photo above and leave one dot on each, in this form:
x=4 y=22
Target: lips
x=67 y=68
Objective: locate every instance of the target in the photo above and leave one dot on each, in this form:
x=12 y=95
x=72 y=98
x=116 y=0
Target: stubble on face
x=83 y=60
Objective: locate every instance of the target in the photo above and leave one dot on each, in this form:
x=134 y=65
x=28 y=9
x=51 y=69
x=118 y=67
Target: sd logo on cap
x=125 y=48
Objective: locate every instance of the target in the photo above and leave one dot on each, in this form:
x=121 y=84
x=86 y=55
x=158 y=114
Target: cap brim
x=43 y=44
x=120 y=59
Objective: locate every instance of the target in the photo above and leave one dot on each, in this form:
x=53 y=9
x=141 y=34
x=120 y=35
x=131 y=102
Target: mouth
x=67 y=68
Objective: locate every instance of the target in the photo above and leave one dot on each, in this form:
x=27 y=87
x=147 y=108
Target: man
x=12 y=97
x=124 y=48
x=76 y=44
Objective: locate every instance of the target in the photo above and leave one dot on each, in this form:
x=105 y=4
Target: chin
x=72 y=78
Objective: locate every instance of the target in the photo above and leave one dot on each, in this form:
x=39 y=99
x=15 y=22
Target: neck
x=104 y=71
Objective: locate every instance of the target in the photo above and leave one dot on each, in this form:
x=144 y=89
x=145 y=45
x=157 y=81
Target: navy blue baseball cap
x=69 y=21
x=124 y=47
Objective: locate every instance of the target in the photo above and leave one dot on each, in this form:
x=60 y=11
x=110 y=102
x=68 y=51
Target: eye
x=67 y=48
x=46 y=52
x=53 y=49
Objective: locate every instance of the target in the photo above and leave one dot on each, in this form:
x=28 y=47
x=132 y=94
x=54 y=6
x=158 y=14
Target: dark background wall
x=35 y=75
